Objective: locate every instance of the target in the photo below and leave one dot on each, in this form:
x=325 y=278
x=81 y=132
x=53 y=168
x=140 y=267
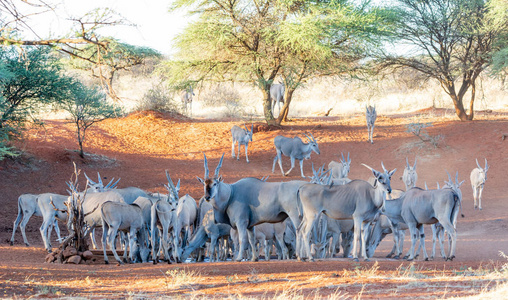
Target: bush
x=158 y=99
x=222 y=96
x=419 y=130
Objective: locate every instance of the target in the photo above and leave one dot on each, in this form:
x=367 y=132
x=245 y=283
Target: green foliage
x=34 y=79
x=87 y=106
x=254 y=42
x=30 y=79
x=452 y=41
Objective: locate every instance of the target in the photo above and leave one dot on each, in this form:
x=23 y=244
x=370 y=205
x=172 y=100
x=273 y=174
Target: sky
x=156 y=27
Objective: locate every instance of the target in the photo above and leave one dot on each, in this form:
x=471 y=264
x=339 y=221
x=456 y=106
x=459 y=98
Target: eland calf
x=241 y=137
x=478 y=178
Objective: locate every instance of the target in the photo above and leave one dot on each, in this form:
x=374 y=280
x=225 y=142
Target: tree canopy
x=254 y=41
x=453 y=41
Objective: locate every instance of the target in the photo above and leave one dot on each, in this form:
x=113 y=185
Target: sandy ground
x=140 y=147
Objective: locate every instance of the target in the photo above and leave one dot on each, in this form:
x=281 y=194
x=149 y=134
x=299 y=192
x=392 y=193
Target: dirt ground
x=141 y=146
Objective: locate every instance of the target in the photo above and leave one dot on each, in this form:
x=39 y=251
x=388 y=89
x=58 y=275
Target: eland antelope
x=241 y=136
x=478 y=178
x=249 y=202
x=409 y=176
x=371 y=116
x=295 y=148
x=277 y=95
x=340 y=169
x=357 y=200
x=421 y=207
x=186 y=97
x=28 y=206
x=125 y=217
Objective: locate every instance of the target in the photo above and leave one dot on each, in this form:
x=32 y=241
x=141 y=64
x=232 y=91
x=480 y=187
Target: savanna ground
x=139 y=147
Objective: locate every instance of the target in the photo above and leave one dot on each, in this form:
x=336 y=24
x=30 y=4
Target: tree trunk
x=283 y=115
x=458 y=102
x=81 y=137
x=267 y=105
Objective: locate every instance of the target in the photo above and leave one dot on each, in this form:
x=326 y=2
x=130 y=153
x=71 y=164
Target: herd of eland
x=313 y=217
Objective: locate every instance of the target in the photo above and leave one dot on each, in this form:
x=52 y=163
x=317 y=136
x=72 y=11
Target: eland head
x=382 y=181
x=211 y=184
x=313 y=144
x=173 y=190
x=346 y=165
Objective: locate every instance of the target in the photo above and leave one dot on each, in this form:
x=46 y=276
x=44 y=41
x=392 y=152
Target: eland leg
x=413 y=232
x=480 y=197
x=292 y=165
x=307 y=226
x=246 y=155
x=251 y=234
x=448 y=227
x=22 y=227
x=15 y=226
x=242 y=241
x=356 y=237
x=105 y=229
x=284 y=249
x=364 y=236
x=422 y=242
x=112 y=232
x=301 y=167
x=475 y=196
x=44 y=233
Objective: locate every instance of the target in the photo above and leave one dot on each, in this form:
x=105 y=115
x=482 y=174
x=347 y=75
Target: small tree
x=30 y=79
x=87 y=106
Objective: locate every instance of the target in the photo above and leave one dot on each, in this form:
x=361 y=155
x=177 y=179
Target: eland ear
x=392 y=171
x=219 y=178
x=200 y=180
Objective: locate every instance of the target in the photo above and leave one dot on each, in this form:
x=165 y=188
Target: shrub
x=419 y=130
x=159 y=99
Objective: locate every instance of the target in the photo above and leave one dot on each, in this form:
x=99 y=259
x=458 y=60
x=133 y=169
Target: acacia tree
x=327 y=39
x=454 y=41
x=254 y=41
x=86 y=107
